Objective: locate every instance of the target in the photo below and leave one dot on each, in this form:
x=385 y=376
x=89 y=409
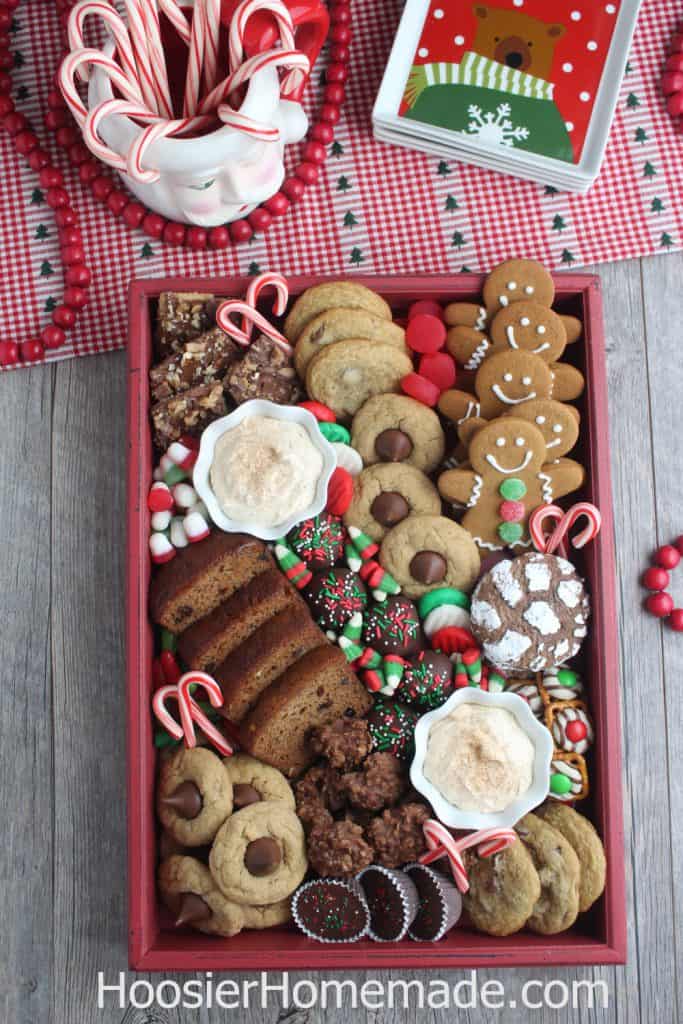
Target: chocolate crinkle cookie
x=344 y=743
x=338 y=850
x=397 y=835
x=380 y=783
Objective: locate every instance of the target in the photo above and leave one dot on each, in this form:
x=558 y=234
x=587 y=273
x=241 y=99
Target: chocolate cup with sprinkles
x=393 y=901
x=331 y=910
x=440 y=904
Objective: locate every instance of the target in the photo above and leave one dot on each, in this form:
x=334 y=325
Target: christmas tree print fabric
x=376 y=208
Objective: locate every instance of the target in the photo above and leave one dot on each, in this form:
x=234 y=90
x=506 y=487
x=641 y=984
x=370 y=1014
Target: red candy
x=453 y=640
x=512 y=511
x=426 y=307
x=339 y=491
x=656 y=578
x=576 y=731
x=425 y=333
x=439 y=368
x=660 y=604
x=160 y=498
x=667 y=556
x=322 y=413
x=421 y=389
x=170 y=667
x=676 y=620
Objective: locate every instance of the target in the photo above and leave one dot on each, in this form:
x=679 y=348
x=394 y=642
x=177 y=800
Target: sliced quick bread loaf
x=206 y=644
x=202 y=576
x=263 y=656
x=314 y=691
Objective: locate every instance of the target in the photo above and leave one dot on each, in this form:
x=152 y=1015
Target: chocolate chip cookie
x=332 y=295
x=424 y=552
x=559 y=872
x=504 y=890
x=386 y=494
x=346 y=373
x=395 y=428
x=586 y=843
x=339 y=325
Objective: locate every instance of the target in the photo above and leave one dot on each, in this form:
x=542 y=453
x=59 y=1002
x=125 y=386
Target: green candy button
x=335 y=432
x=512 y=489
x=567 y=678
x=510 y=533
x=560 y=784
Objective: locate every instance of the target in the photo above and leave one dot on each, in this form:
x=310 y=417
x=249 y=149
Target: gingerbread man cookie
x=526 y=325
x=559 y=424
x=503 y=382
x=516 y=280
x=509 y=478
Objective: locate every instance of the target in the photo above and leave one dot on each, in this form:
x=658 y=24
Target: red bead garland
x=656 y=579
x=77 y=275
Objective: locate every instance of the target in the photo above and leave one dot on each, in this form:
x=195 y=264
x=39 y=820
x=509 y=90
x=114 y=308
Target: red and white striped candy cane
x=537 y=531
x=157 y=57
x=560 y=535
x=251 y=316
x=238 y=27
x=195 y=61
x=442 y=844
x=69 y=69
x=163 y=715
x=212 y=17
x=175 y=15
x=191 y=714
x=146 y=138
x=116 y=25
x=241 y=123
x=258 y=285
x=272 y=58
x=138 y=29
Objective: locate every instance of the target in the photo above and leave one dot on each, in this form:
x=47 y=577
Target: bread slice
x=206 y=644
x=315 y=691
x=265 y=655
x=202 y=576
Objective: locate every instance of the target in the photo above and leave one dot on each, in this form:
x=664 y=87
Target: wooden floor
x=62 y=859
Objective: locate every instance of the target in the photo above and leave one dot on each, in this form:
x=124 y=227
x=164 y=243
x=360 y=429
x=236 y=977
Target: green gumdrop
x=512 y=489
x=335 y=432
x=560 y=784
x=567 y=678
x=509 y=533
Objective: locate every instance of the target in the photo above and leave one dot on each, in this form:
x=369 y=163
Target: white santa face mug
x=234 y=159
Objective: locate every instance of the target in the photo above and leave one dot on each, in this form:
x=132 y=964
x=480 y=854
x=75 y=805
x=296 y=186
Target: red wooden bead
x=656 y=578
x=78 y=153
x=675 y=62
x=277 y=204
x=78 y=275
x=315 y=152
x=53 y=336
x=676 y=620
x=70 y=236
x=54 y=119
x=308 y=173
x=660 y=604
x=11 y=5
x=678 y=543
x=153 y=225
x=336 y=73
x=241 y=231
x=219 y=237
x=37 y=159
x=9 y=353
x=293 y=188
x=340 y=34
x=65 y=216
x=26 y=142
x=260 y=219
x=64 y=316
x=15 y=123
x=55 y=100
x=101 y=187
x=5 y=82
x=340 y=15
x=667 y=556
x=6 y=60
x=6 y=106
x=5 y=18
x=32 y=351
x=334 y=93
x=56 y=197
x=196 y=237
x=73 y=254
x=174 y=234
x=88 y=171
x=672 y=81
x=675 y=104
x=339 y=53
x=67 y=135
x=134 y=214
x=329 y=112
x=75 y=297
x=117 y=201
x=322 y=133
x=50 y=177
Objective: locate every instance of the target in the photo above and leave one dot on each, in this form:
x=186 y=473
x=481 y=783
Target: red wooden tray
x=600 y=936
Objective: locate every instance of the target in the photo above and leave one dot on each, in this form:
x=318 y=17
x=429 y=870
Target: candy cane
x=256 y=288
x=174 y=13
x=165 y=718
x=251 y=315
x=162 y=129
x=191 y=714
x=238 y=26
x=275 y=58
x=589 y=532
x=69 y=69
x=157 y=57
x=442 y=844
x=212 y=28
x=537 y=532
x=114 y=23
x=138 y=29
x=241 y=123
x=193 y=78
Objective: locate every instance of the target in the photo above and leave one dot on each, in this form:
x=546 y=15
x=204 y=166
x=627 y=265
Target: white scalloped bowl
x=286 y=413
x=453 y=816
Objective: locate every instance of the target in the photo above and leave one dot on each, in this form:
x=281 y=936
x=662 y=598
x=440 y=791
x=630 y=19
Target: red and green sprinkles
x=318 y=542
x=392 y=728
x=330 y=911
x=335 y=596
x=393 y=627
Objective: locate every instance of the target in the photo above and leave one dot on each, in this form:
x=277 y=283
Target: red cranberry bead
x=241 y=231
x=53 y=336
x=153 y=225
x=6 y=106
x=6 y=60
x=339 y=54
x=67 y=135
x=293 y=188
x=88 y=171
x=37 y=159
x=5 y=19
x=196 y=237
x=340 y=15
x=219 y=237
x=656 y=578
x=70 y=236
x=32 y=351
x=26 y=142
x=277 y=204
x=260 y=219
x=5 y=83
x=101 y=187
x=54 y=119
x=117 y=201
x=667 y=556
x=335 y=94
x=174 y=234
x=50 y=177
x=340 y=34
x=660 y=604
x=78 y=275
x=72 y=254
x=55 y=100
x=676 y=620
x=134 y=214
x=66 y=216
x=57 y=197
x=75 y=298
x=78 y=153
x=678 y=543
x=15 y=123
x=315 y=152
x=64 y=316
x=329 y=113
x=322 y=133
x=9 y=353
x=308 y=173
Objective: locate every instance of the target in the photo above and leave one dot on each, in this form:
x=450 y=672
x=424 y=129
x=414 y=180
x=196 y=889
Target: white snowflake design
x=495 y=127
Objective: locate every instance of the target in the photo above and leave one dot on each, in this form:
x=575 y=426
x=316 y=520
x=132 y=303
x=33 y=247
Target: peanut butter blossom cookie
x=393 y=627
x=335 y=596
x=392 y=728
x=318 y=542
x=427 y=681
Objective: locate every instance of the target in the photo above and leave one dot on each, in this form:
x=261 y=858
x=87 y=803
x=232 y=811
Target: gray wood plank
x=26 y=751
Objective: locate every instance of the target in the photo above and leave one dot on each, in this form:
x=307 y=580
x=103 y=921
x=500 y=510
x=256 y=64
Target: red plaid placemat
x=376 y=208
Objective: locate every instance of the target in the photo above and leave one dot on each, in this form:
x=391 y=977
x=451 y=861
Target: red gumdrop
x=660 y=604
x=219 y=237
x=656 y=578
x=425 y=306
x=667 y=556
x=439 y=368
x=676 y=620
x=322 y=413
x=421 y=389
x=134 y=214
x=512 y=511
x=339 y=492
x=425 y=333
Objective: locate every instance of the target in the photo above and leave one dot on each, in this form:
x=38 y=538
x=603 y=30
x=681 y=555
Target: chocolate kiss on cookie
x=390 y=508
x=428 y=567
x=262 y=857
x=243 y=795
x=393 y=445
x=529 y=327
x=192 y=909
x=186 y=800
